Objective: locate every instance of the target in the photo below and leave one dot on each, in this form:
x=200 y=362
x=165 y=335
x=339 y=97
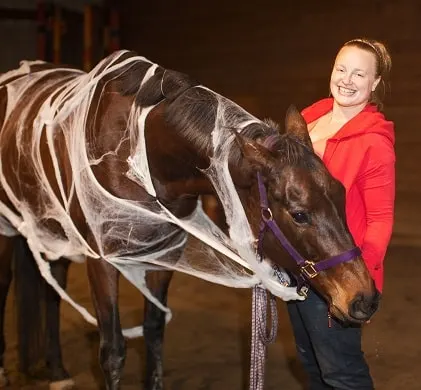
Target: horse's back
x=55 y=123
x=25 y=94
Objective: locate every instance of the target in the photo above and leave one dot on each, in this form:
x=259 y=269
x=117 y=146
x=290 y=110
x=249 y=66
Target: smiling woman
x=356 y=143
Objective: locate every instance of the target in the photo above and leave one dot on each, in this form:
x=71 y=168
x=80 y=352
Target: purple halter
x=308 y=269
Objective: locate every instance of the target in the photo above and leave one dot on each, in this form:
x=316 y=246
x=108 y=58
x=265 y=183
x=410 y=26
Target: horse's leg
x=59 y=377
x=153 y=326
x=6 y=255
x=103 y=279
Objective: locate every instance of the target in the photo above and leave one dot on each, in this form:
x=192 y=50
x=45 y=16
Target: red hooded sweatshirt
x=361 y=155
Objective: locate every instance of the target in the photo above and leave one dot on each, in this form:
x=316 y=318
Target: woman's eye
x=300 y=217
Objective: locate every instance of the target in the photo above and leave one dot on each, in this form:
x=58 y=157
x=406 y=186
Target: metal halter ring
x=309 y=270
x=303 y=291
x=267 y=214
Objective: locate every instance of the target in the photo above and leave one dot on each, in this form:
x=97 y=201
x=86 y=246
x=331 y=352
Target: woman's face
x=353 y=76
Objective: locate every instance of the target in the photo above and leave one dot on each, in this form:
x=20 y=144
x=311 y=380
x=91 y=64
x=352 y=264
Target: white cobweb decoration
x=121 y=227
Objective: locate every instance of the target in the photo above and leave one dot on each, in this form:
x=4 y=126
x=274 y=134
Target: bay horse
x=109 y=165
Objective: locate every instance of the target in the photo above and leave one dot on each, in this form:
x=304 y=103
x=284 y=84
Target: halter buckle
x=309 y=270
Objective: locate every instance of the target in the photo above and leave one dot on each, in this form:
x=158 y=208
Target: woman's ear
x=375 y=84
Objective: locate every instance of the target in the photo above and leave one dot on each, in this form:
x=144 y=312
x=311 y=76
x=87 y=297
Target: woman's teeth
x=346 y=91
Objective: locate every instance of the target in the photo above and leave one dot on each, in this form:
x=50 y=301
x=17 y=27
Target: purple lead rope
x=260 y=337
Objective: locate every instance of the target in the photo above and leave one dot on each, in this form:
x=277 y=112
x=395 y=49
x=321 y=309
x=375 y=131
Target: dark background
x=265 y=56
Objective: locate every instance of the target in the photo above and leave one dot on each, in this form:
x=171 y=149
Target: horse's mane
x=194 y=110
x=194 y=113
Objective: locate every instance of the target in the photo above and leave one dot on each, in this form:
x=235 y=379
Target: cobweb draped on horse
x=109 y=165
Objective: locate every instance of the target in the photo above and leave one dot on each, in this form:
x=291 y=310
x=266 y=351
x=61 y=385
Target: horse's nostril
x=363 y=306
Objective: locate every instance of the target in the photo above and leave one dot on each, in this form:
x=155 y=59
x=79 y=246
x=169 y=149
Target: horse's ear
x=296 y=125
x=256 y=155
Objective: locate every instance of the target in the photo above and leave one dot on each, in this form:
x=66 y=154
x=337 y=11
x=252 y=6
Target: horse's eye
x=300 y=217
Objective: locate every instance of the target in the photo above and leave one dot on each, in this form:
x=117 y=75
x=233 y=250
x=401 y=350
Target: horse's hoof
x=3 y=378
x=65 y=384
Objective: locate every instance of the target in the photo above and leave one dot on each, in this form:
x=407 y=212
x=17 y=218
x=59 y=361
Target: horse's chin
x=344 y=318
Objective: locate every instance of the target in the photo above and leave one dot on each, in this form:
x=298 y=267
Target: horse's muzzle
x=364 y=306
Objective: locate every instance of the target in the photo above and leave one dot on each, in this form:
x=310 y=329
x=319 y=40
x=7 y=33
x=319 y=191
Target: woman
x=356 y=143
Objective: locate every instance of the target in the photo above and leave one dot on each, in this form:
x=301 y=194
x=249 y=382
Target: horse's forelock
x=290 y=150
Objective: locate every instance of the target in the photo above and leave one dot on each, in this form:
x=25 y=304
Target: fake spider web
x=226 y=259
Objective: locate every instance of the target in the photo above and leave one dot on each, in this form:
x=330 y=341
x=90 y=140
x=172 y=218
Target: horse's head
x=308 y=205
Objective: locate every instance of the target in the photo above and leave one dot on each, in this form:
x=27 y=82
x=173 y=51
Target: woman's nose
x=347 y=79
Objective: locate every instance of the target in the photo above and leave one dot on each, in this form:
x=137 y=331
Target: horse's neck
x=179 y=150
x=175 y=163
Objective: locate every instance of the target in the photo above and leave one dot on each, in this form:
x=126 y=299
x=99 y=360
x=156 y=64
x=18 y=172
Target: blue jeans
x=332 y=357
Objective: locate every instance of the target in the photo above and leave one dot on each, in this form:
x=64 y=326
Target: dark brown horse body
x=68 y=154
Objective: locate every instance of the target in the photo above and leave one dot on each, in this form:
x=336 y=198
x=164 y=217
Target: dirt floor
x=207 y=340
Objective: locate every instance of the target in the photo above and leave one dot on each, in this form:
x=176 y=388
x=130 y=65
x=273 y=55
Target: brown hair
x=383 y=65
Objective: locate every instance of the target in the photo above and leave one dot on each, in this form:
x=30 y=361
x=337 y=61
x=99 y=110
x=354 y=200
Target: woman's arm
x=377 y=185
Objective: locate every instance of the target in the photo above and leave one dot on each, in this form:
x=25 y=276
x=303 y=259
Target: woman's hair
x=383 y=65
